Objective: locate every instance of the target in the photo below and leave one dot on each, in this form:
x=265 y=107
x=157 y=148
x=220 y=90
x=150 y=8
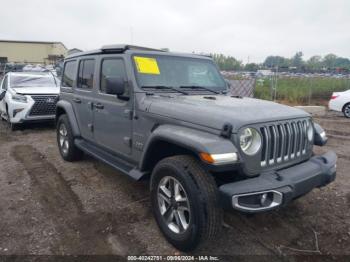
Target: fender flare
x=191 y=139
x=68 y=109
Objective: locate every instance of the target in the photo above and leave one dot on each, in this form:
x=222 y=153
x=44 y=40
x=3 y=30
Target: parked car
x=340 y=101
x=165 y=117
x=28 y=96
x=12 y=67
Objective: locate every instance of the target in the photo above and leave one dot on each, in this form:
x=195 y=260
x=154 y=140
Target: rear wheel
x=65 y=140
x=346 y=110
x=185 y=202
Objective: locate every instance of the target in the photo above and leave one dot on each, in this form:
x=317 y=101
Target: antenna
x=131 y=35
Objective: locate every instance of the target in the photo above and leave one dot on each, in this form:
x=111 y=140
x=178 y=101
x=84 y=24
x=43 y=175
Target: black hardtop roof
x=122 y=48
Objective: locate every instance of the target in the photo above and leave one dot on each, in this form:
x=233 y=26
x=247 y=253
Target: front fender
x=320 y=135
x=69 y=111
x=194 y=140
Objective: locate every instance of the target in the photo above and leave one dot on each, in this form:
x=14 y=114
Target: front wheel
x=185 y=202
x=346 y=110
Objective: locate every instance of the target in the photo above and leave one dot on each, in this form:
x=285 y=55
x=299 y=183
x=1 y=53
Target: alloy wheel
x=347 y=111
x=63 y=138
x=174 y=205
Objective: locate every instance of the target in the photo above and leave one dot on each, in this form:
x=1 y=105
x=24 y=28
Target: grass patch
x=301 y=91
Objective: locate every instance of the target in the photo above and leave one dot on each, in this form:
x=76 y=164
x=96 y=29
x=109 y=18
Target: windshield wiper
x=166 y=87
x=201 y=87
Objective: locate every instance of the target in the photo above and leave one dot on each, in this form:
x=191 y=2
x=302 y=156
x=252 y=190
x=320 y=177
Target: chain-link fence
x=242 y=87
x=293 y=89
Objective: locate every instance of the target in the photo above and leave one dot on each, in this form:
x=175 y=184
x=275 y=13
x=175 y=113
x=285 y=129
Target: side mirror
x=2 y=94
x=115 y=85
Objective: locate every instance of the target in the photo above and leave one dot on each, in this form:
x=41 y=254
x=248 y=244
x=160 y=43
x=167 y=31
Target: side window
x=112 y=68
x=86 y=74
x=69 y=74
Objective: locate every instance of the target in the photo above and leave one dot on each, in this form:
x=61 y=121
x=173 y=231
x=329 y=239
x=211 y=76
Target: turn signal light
x=207 y=158
x=216 y=159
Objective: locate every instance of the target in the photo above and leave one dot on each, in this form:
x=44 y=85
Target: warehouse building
x=33 y=52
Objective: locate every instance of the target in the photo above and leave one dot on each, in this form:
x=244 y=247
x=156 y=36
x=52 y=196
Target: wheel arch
x=64 y=107
x=343 y=108
x=161 y=148
x=169 y=140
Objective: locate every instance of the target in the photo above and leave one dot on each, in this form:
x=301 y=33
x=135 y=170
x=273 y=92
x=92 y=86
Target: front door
x=112 y=115
x=83 y=97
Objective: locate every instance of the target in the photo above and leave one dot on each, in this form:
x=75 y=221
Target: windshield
x=32 y=81
x=179 y=72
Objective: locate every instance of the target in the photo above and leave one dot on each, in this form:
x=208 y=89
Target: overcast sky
x=246 y=28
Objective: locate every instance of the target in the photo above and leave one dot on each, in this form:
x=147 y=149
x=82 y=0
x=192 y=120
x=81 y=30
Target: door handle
x=99 y=106
x=77 y=100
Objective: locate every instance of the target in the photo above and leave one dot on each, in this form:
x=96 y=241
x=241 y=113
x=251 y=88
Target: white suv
x=28 y=96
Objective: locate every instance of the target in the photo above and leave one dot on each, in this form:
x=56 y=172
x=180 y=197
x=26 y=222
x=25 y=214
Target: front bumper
x=20 y=112
x=271 y=190
x=335 y=105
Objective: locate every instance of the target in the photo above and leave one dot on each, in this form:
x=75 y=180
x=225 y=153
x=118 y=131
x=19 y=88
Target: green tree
x=251 y=67
x=329 y=61
x=314 y=63
x=297 y=60
x=342 y=62
x=226 y=62
x=276 y=61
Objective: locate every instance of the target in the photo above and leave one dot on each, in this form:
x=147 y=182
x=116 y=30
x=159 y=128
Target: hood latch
x=226 y=130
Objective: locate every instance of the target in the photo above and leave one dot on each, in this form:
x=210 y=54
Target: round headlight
x=250 y=141
x=310 y=131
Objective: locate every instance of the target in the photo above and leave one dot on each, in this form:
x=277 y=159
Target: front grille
x=284 y=142
x=44 y=105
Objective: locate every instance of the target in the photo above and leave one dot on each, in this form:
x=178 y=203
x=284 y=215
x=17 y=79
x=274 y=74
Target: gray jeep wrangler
x=167 y=117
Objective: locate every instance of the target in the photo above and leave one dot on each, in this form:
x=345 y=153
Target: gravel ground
x=51 y=207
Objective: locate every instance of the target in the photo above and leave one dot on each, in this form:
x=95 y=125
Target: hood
x=215 y=111
x=37 y=90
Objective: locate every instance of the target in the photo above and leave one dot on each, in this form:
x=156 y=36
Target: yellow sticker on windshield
x=146 y=65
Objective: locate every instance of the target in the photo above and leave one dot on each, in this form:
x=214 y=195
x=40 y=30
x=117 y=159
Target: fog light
x=263 y=199
x=258 y=201
x=15 y=111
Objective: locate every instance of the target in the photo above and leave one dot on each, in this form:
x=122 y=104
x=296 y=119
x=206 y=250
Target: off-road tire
x=345 y=107
x=73 y=153
x=202 y=193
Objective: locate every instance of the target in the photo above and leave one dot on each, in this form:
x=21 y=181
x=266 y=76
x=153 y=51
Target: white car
x=340 y=101
x=28 y=96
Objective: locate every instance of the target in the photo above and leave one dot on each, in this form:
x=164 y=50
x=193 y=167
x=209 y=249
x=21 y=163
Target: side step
x=109 y=159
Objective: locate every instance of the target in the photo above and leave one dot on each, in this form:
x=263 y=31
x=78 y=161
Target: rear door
x=113 y=115
x=83 y=96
